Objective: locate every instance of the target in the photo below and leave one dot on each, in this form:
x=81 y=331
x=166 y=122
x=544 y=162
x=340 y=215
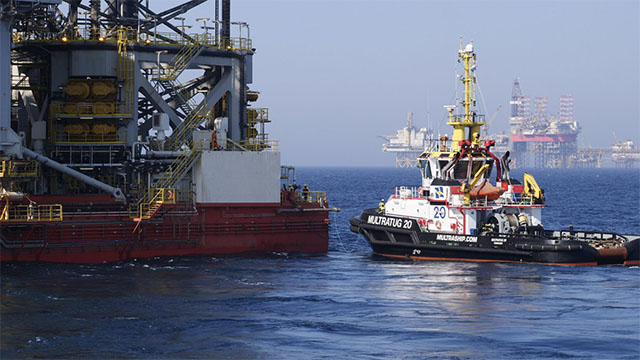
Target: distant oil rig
x=408 y=143
x=536 y=139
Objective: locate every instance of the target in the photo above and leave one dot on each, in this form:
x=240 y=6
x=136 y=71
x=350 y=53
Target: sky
x=336 y=75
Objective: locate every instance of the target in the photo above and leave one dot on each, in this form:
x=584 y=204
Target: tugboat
x=458 y=214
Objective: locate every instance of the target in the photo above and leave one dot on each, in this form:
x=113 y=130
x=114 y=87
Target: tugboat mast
x=468 y=120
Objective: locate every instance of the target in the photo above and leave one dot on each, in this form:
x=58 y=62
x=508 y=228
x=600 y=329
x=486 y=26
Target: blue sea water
x=348 y=303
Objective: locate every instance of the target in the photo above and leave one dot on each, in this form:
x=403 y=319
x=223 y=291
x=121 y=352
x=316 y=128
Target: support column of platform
x=10 y=142
x=234 y=110
x=5 y=68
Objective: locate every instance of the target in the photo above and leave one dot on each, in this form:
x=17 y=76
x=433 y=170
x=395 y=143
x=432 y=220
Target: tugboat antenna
x=468 y=119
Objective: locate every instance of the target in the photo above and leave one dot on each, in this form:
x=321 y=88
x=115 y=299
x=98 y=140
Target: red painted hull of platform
x=97 y=234
x=543 y=138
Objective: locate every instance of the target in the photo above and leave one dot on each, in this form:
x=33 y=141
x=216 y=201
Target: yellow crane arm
x=532 y=190
x=466 y=188
x=478 y=176
x=488 y=125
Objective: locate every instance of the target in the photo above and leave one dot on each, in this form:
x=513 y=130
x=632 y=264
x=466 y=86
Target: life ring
x=438 y=225
x=169 y=195
x=420 y=191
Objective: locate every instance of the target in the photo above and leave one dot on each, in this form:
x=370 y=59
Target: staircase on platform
x=162 y=191
x=167 y=78
x=181 y=133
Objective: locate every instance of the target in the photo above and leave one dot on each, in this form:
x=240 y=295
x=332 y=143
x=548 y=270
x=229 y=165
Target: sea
x=347 y=303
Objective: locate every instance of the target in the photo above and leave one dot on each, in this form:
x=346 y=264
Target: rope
x=481 y=97
x=337 y=230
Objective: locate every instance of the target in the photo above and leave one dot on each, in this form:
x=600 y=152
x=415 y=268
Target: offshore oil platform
x=625 y=154
x=124 y=136
x=408 y=143
x=540 y=140
x=536 y=139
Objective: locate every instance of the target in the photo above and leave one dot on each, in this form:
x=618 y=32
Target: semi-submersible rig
x=120 y=141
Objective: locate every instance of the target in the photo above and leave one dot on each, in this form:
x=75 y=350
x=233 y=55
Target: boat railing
x=406 y=192
x=480 y=202
x=516 y=199
x=589 y=236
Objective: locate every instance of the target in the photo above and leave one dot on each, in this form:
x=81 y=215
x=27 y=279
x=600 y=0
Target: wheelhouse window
x=427 y=170
x=462 y=171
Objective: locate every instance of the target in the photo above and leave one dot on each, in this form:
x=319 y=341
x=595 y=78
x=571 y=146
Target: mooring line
x=337 y=229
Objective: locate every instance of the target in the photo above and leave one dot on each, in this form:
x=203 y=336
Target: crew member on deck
x=305 y=193
x=381 y=205
x=214 y=141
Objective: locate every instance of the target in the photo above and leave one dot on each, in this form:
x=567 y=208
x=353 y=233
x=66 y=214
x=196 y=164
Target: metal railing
x=80 y=109
x=206 y=39
x=10 y=168
x=590 y=236
x=133 y=36
x=28 y=213
x=184 y=196
x=311 y=196
x=64 y=137
x=186 y=104
x=257 y=115
x=179 y=62
x=525 y=200
x=84 y=133
x=301 y=196
x=258 y=145
x=475 y=118
x=157 y=197
x=125 y=68
x=147 y=206
x=181 y=134
x=408 y=192
x=177 y=167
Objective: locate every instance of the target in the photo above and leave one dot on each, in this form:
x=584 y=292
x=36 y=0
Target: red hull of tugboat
x=103 y=232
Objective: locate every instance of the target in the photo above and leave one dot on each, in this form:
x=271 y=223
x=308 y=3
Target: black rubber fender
x=633 y=252
x=355 y=221
x=539 y=247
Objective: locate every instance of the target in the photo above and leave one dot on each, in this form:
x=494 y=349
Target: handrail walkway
x=30 y=213
x=163 y=190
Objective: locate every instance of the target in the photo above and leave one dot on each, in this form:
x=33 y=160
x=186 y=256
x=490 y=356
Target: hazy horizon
x=336 y=75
